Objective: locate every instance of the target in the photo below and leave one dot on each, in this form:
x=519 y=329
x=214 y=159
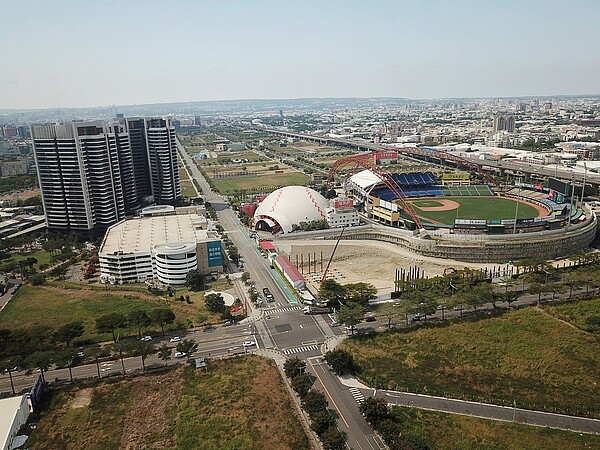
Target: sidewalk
x=489 y=411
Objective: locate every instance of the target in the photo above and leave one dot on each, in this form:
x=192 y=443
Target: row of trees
x=377 y=412
x=138 y=318
x=315 y=404
x=463 y=292
x=21 y=344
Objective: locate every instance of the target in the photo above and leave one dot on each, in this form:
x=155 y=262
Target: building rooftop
x=140 y=235
x=8 y=410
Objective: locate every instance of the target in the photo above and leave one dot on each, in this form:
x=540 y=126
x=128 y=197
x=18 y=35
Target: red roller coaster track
x=366 y=161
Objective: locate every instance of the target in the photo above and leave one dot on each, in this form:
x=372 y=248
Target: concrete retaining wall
x=475 y=248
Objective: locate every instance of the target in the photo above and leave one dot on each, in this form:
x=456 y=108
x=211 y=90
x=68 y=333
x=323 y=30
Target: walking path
x=495 y=412
x=454 y=406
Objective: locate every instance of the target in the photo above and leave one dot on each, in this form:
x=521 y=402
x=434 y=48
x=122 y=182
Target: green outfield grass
x=485 y=208
x=229 y=185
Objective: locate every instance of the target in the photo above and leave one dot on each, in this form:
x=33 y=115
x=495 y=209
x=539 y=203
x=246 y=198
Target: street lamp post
x=547 y=275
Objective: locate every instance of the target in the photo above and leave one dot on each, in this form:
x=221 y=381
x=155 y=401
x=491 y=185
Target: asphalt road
x=506 y=413
x=350 y=420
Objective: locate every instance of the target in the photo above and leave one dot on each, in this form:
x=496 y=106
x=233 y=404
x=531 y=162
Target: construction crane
x=331 y=257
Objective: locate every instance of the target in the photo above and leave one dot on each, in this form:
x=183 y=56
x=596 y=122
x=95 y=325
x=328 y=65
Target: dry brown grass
x=239 y=403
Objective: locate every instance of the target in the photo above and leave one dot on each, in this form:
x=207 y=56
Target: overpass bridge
x=520 y=169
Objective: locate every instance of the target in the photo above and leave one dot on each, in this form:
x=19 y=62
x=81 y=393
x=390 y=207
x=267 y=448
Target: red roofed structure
x=290 y=272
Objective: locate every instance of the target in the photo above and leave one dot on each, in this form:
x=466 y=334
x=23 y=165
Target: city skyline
x=82 y=54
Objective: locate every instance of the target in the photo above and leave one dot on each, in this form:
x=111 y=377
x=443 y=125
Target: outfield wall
x=475 y=248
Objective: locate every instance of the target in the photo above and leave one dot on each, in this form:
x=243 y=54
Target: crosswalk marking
x=358 y=396
x=281 y=310
x=304 y=348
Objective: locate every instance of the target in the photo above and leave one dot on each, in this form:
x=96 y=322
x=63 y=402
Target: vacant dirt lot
x=371 y=261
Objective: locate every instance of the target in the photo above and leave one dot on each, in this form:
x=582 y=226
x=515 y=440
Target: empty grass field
x=577 y=313
x=525 y=356
x=484 y=208
x=442 y=431
x=236 y=404
x=258 y=183
x=51 y=306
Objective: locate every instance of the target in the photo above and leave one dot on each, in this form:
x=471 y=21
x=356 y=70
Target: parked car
x=418 y=317
x=370 y=319
x=175 y=339
x=180 y=355
x=335 y=324
x=146 y=338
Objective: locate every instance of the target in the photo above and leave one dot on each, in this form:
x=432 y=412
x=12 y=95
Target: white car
x=180 y=355
x=175 y=339
x=248 y=343
x=146 y=338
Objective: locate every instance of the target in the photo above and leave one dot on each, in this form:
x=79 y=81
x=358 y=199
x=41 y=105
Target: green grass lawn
x=263 y=182
x=42 y=256
x=442 y=431
x=524 y=356
x=52 y=306
x=488 y=208
x=576 y=313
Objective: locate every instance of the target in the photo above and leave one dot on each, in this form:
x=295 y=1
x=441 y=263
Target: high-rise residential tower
x=79 y=173
x=162 y=160
x=92 y=173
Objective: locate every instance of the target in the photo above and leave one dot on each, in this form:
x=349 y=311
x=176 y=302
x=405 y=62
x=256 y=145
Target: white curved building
x=172 y=262
x=288 y=206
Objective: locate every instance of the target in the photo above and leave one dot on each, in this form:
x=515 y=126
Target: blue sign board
x=215 y=255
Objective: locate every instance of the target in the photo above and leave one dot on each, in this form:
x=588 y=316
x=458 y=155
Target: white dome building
x=289 y=206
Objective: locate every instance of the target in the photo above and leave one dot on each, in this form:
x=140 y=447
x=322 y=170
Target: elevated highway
x=521 y=169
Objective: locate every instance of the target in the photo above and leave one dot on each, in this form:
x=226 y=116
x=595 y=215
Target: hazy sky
x=89 y=53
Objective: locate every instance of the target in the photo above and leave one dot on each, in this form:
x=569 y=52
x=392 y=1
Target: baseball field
x=445 y=210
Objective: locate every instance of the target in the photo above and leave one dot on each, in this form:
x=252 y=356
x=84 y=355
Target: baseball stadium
x=421 y=200
x=451 y=215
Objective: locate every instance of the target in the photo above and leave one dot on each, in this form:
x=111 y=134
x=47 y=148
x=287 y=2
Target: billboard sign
x=559 y=186
x=347 y=203
x=215 y=253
